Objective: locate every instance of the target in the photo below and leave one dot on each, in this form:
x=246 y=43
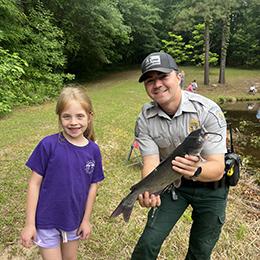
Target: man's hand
x=187 y=165
x=149 y=200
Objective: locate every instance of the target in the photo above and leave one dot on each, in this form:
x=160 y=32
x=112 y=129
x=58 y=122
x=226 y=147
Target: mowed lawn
x=117 y=100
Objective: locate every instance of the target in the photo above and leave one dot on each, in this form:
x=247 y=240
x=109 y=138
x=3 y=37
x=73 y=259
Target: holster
x=232 y=171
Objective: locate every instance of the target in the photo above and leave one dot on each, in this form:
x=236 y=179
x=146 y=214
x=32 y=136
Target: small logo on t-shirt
x=89 y=167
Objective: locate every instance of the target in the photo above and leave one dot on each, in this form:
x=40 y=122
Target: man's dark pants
x=208 y=217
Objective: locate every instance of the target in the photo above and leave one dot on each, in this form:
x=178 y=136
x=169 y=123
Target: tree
x=226 y=11
x=199 y=11
x=142 y=17
x=197 y=42
x=244 y=49
x=177 y=48
x=92 y=30
x=11 y=29
x=224 y=45
x=42 y=47
x=32 y=59
x=11 y=71
x=193 y=51
x=166 y=12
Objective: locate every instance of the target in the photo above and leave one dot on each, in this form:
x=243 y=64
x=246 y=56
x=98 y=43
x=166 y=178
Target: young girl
x=66 y=168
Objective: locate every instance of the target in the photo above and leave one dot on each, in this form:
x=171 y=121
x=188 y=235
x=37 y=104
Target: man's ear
x=178 y=75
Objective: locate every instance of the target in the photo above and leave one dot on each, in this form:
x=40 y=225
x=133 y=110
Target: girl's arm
x=85 y=227
x=29 y=232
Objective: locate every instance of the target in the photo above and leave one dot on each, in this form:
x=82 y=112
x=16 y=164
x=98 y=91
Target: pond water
x=245 y=119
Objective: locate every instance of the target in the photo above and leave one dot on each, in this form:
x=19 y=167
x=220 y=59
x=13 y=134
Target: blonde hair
x=78 y=94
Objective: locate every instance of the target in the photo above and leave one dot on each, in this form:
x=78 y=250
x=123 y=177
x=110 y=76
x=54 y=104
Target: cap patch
x=152 y=60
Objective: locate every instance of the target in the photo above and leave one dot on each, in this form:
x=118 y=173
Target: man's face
x=163 y=88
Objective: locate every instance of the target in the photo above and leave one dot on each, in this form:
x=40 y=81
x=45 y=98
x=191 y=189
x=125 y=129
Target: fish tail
x=125 y=207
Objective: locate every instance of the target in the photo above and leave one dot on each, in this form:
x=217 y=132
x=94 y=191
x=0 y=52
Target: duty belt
x=199 y=184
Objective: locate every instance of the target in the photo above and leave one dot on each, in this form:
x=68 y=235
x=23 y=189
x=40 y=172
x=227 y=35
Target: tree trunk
x=206 y=63
x=25 y=7
x=224 y=46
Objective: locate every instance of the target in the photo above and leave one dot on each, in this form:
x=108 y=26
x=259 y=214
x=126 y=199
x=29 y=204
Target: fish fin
x=177 y=183
x=125 y=207
x=127 y=213
x=158 y=192
x=162 y=191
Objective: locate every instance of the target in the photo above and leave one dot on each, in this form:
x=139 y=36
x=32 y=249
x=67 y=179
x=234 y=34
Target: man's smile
x=159 y=90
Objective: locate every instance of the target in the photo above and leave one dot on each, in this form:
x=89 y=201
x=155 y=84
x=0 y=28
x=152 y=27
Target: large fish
x=163 y=175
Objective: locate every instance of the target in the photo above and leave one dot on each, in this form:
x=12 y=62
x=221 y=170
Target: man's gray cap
x=158 y=61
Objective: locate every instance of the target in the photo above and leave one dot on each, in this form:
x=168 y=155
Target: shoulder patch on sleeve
x=217 y=113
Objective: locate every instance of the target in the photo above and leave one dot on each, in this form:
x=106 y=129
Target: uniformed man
x=161 y=126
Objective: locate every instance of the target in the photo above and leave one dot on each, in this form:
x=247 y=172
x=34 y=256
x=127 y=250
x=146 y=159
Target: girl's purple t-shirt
x=67 y=171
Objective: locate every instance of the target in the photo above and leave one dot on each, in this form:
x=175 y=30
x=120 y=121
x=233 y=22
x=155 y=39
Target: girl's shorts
x=51 y=238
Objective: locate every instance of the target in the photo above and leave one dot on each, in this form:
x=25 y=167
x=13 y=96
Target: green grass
x=117 y=100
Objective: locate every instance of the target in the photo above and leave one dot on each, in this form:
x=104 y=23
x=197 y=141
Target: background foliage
x=46 y=43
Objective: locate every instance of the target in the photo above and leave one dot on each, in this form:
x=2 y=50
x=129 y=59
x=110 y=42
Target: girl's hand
x=84 y=230
x=28 y=235
x=187 y=165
